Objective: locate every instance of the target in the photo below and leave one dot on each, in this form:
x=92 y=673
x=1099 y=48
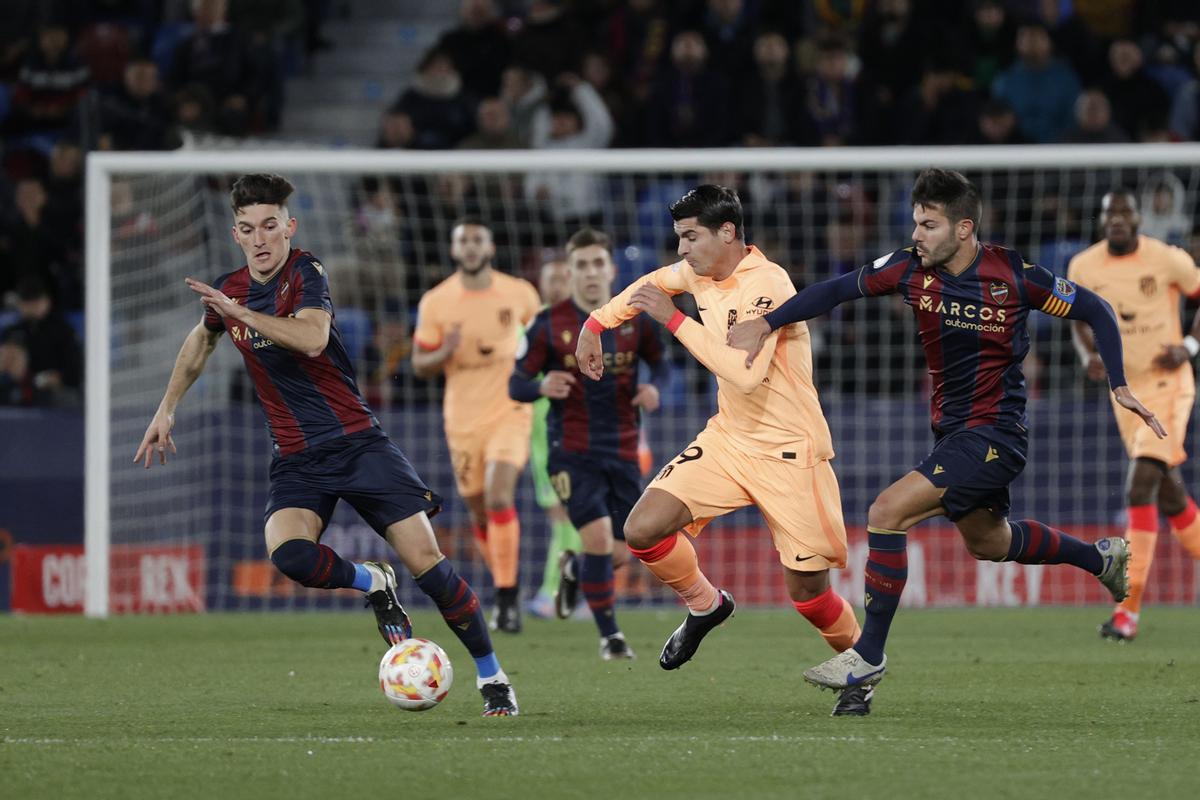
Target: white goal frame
x=102 y=166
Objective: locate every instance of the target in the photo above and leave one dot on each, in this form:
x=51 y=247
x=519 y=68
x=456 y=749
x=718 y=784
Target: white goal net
x=189 y=536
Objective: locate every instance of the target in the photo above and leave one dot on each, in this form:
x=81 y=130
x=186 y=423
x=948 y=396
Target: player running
x=971 y=301
x=768 y=444
x=468 y=327
x=1143 y=279
x=593 y=428
x=554 y=286
x=328 y=444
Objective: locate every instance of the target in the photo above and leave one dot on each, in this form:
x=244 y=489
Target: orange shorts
x=505 y=439
x=801 y=505
x=1172 y=404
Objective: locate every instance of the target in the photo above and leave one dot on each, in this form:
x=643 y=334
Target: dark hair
x=32 y=287
x=951 y=190
x=258 y=187
x=586 y=237
x=712 y=206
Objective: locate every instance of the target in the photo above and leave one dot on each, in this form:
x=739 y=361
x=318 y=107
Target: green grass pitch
x=979 y=703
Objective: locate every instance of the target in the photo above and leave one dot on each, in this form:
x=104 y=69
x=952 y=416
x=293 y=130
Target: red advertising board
x=143 y=579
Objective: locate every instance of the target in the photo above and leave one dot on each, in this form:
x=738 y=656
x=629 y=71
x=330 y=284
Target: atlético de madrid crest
x=998 y=291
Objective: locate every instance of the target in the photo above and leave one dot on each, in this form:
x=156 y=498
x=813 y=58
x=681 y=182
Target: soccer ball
x=415 y=674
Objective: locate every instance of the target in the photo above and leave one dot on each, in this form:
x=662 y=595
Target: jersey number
x=561 y=481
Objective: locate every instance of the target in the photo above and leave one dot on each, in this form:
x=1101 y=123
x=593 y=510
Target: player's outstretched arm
x=1085 y=348
x=812 y=301
x=193 y=355
x=1092 y=309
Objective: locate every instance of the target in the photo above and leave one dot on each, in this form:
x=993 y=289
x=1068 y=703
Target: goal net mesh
x=193 y=530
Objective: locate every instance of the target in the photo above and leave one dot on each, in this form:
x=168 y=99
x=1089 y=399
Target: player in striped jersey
x=971 y=302
x=328 y=445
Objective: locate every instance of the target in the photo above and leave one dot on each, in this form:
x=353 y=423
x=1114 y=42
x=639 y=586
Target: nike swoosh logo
x=804 y=558
x=701 y=308
x=851 y=680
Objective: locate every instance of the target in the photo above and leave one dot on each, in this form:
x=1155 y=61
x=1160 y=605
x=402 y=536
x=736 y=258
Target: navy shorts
x=975 y=467
x=366 y=469
x=593 y=487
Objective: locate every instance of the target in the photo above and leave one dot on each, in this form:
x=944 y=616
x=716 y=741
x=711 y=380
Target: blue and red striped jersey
x=306 y=400
x=973 y=328
x=598 y=417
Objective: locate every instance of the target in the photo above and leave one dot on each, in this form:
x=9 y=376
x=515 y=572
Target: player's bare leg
x=908 y=501
x=416 y=545
x=590 y=573
x=477 y=508
x=293 y=542
x=504 y=542
x=653 y=534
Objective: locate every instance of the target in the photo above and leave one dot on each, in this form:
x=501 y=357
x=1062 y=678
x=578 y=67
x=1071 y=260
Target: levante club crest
x=998 y=291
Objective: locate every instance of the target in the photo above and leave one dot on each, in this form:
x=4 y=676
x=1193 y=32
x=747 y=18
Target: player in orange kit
x=768 y=445
x=468 y=327
x=1143 y=279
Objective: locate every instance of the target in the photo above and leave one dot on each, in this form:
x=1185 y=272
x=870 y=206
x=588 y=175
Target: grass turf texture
x=978 y=703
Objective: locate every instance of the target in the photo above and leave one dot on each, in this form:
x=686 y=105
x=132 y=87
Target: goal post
x=379 y=220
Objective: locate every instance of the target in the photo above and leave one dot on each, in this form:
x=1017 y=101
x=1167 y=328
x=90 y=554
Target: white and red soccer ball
x=415 y=674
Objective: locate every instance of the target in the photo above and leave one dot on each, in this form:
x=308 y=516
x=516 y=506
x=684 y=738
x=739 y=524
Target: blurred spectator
x=1137 y=99
x=64 y=216
x=29 y=246
x=687 y=106
x=598 y=71
x=493 y=128
x=396 y=131
x=577 y=121
x=1185 y=110
x=636 y=37
x=888 y=42
x=134 y=117
x=1093 y=121
x=41 y=362
x=551 y=41
x=771 y=107
x=1072 y=39
x=193 y=110
x=1163 y=204
x=943 y=108
x=18 y=19
x=524 y=92
x=478 y=46
x=50 y=83
x=441 y=114
x=832 y=94
x=997 y=124
x=991 y=39
x=727 y=29
x=1040 y=88
x=1107 y=19
x=218 y=58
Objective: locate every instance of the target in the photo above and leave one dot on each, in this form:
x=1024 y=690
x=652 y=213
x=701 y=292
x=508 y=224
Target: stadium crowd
x=77 y=76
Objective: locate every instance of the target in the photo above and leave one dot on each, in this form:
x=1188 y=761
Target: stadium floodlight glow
x=153 y=218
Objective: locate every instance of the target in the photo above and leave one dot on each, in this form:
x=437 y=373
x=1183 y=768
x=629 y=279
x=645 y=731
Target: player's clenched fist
x=589 y=354
x=748 y=336
x=557 y=384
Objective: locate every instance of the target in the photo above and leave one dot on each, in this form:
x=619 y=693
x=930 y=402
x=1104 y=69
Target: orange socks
x=504 y=546
x=674 y=562
x=833 y=616
x=1142 y=535
x=1186 y=527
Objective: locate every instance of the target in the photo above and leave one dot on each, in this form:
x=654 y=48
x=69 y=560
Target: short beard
x=487 y=262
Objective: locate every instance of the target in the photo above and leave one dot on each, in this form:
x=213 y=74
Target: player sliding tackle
x=767 y=446
x=328 y=444
x=971 y=301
